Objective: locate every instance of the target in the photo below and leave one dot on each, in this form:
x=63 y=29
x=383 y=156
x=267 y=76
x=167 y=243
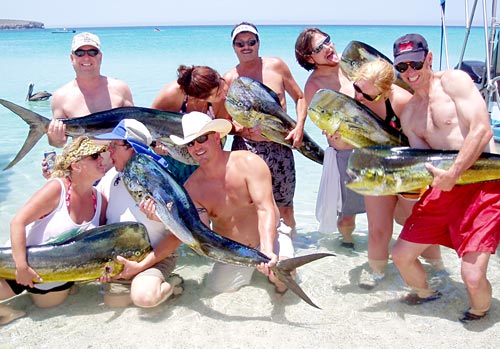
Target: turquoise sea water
x=147 y=60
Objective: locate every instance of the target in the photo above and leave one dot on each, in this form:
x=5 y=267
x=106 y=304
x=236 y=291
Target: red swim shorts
x=467 y=218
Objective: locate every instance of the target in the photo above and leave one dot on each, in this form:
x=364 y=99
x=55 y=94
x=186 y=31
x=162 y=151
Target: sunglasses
x=92 y=52
x=94 y=156
x=201 y=139
x=318 y=48
x=365 y=96
x=403 y=66
x=114 y=145
x=241 y=44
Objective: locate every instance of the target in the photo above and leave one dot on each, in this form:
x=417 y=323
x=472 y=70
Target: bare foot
x=8 y=314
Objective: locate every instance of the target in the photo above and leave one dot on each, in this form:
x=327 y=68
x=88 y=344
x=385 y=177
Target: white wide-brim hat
x=195 y=124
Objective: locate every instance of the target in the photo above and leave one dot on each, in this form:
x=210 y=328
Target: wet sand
x=255 y=317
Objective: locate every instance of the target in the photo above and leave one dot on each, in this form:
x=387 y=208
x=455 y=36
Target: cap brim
x=109 y=136
x=416 y=56
x=223 y=127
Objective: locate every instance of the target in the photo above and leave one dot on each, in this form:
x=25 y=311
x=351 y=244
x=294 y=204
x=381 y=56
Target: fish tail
x=284 y=269
x=38 y=127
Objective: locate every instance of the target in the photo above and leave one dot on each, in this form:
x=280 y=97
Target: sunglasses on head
x=201 y=139
x=365 y=96
x=403 y=66
x=318 y=48
x=241 y=44
x=92 y=52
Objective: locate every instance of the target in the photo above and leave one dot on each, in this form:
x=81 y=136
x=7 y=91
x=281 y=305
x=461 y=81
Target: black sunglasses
x=95 y=156
x=92 y=52
x=365 y=96
x=318 y=48
x=201 y=139
x=403 y=66
x=241 y=44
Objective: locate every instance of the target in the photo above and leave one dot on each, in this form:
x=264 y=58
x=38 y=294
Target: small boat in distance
x=63 y=30
x=157 y=29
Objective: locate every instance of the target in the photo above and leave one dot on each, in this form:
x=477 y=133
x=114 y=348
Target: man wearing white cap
x=149 y=277
x=233 y=191
x=89 y=92
x=274 y=73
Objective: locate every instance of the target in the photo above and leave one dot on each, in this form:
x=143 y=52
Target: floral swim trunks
x=279 y=159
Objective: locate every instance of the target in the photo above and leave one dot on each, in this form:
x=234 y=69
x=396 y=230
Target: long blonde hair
x=380 y=73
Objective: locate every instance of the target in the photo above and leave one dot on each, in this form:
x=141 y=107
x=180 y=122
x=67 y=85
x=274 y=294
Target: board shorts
x=352 y=202
x=228 y=277
x=467 y=218
x=18 y=289
x=279 y=159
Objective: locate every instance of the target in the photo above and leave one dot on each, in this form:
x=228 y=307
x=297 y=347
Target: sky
x=108 y=13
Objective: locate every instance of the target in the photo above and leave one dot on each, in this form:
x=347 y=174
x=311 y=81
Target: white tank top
x=59 y=221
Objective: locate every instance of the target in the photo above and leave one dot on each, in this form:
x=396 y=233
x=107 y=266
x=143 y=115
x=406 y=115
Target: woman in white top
x=67 y=201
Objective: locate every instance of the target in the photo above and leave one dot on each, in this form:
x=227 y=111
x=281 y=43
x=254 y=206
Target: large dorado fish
x=144 y=178
x=252 y=103
x=359 y=126
x=357 y=53
x=84 y=256
x=385 y=170
x=161 y=124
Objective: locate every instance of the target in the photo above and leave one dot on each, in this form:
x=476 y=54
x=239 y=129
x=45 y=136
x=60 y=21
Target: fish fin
x=38 y=127
x=283 y=271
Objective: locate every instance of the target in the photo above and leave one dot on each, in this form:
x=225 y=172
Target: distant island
x=15 y=24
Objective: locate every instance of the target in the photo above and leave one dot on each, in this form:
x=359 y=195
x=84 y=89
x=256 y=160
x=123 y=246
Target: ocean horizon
x=147 y=59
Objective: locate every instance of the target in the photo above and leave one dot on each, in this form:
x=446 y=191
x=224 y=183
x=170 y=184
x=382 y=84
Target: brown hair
x=303 y=47
x=198 y=81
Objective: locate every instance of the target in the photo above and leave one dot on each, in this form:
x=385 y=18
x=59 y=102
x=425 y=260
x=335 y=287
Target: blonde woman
x=67 y=201
x=374 y=87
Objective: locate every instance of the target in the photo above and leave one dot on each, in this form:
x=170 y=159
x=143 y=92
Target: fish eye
x=137 y=253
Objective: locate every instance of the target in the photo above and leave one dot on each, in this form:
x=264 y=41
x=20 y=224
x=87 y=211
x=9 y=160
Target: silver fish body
x=161 y=124
x=388 y=171
x=84 y=255
x=251 y=104
x=336 y=112
x=144 y=178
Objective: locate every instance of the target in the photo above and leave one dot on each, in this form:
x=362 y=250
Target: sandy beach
x=256 y=317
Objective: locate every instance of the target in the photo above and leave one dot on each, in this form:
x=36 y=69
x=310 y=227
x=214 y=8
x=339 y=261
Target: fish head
x=323 y=111
x=241 y=103
x=143 y=178
x=367 y=172
x=132 y=241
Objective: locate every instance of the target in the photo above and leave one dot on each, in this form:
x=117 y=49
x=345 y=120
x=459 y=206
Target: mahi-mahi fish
x=82 y=255
x=387 y=171
x=144 y=178
x=252 y=103
x=357 y=53
x=357 y=125
x=161 y=124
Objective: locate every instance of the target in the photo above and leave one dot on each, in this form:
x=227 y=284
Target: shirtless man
x=275 y=74
x=233 y=191
x=90 y=92
x=447 y=112
x=315 y=51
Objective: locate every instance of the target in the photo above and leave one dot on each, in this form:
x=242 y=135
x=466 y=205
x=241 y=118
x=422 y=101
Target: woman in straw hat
x=67 y=201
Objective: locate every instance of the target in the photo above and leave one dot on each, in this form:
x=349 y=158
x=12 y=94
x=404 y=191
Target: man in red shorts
x=447 y=112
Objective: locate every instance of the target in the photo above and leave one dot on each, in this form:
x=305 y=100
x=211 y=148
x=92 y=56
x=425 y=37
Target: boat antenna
x=444 y=38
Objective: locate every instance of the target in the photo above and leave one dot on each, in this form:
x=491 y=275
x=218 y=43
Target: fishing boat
x=485 y=74
x=63 y=30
